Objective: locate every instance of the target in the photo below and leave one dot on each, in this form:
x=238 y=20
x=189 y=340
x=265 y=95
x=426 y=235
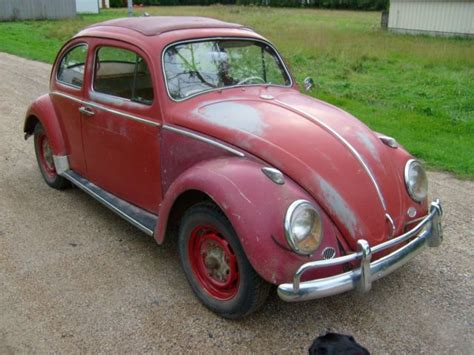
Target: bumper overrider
x=427 y=233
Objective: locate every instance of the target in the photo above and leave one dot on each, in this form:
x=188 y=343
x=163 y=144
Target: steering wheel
x=245 y=80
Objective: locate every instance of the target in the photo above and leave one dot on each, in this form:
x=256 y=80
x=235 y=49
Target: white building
x=91 y=6
x=87 y=6
x=434 y=17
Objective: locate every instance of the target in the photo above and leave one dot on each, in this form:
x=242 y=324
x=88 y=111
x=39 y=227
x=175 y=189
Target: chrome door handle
x=86 y=111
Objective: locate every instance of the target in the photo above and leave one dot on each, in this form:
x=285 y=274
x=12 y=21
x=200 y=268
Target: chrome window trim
x=112 y=97
x=62 y=57
x=203 y=39
x=92 y=88
x=354 y=152
x=107 y=109
x=203 y=139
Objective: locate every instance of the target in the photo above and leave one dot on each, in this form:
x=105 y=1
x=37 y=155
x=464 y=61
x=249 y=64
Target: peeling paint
x=365 y=140
x=338 y=205
x=235 y=116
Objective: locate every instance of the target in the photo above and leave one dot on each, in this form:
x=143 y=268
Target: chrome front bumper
x=427 y=233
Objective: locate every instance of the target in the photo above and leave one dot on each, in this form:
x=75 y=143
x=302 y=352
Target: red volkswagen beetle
x=195 y=125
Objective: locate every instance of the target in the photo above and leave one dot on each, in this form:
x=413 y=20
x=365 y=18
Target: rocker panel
x=141 y=219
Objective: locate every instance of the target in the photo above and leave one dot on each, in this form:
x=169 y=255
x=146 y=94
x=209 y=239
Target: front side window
x=191 y=68
x=123 y=73
x=71 y=68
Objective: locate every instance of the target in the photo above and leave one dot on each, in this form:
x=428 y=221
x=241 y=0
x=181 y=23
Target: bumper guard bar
x=427 y=233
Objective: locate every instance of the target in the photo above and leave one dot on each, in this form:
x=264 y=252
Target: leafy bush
x=118 y=3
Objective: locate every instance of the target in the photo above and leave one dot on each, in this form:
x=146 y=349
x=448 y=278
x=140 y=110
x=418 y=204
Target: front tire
x=44 y=156
x=216 y=266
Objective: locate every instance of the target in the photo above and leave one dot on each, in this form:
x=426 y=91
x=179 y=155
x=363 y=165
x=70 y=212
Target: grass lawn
x=418 y=89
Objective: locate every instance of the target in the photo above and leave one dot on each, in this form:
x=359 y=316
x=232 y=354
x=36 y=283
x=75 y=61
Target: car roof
x=154 y=25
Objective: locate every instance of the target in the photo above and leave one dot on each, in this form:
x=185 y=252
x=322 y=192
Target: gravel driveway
x=74 y=277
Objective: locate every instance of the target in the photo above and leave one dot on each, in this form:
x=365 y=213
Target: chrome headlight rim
x=408 y=166
x=288 y=225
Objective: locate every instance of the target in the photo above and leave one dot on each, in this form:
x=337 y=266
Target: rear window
x=123 y=73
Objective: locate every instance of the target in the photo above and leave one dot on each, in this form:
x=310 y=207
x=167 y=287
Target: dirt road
x=76 y=278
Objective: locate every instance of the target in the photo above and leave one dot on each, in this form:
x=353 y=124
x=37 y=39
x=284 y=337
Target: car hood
x=332 y=155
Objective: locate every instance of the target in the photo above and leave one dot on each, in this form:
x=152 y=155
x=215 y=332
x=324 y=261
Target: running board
x=141 y=219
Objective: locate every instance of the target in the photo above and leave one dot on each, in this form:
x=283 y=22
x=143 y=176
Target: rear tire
x=215 y=264
x=44 y=157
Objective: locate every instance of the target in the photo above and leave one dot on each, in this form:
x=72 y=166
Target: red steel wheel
x=44 y=156
x=213 y=262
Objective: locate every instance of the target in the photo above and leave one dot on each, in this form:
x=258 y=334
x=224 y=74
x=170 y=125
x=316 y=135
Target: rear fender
x=256 y=207
x=42 y=110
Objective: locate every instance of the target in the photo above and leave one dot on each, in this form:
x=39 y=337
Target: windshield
x=194 y=67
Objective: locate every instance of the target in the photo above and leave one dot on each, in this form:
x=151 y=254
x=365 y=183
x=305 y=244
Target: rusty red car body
x=151 y=162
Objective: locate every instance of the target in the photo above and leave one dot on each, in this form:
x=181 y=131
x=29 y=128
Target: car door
x=121 y=124
x=67 y=92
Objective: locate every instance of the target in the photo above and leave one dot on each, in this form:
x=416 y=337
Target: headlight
x=416 y=180
x=303 y=227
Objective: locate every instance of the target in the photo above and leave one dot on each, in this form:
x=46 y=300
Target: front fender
x=255 y=206
x=42 y=110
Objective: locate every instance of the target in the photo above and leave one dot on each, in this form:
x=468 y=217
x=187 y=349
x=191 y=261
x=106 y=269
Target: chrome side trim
x=203 y=139
x=354 y=152
x=61 y=163
x=122 y=114
x=70 y=97
x=203 y=39
x=107 y=109
x=69 y=175
x=428 y=233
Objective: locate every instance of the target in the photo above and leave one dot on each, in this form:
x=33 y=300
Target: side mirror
x=308 y=83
